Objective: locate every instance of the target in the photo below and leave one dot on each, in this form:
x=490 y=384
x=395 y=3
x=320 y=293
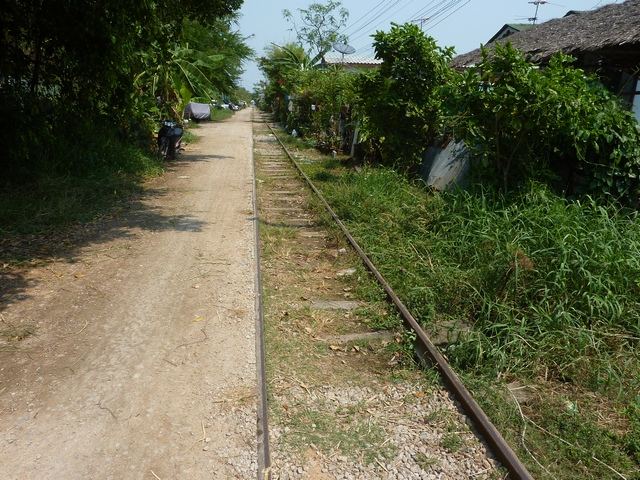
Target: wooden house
x=605 y=41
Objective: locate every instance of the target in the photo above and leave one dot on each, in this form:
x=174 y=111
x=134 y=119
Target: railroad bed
x=346 y=401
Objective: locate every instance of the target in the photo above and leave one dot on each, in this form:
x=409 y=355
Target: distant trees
x=66 y=62
x=318 y=26
x=281 y=67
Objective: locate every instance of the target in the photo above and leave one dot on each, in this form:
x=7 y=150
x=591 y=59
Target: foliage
x=104 y=170
x=241 y=94
x=64 y=63
x=523 y=120
x=523 y=271
x=546 y=285
x=400 y=104
x=319 y=26
x=282 y=66
x=331 y=93
x=85 y=53
x=204 y=64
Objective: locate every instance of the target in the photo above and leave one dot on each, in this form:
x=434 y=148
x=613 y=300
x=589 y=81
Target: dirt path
x=142 y=364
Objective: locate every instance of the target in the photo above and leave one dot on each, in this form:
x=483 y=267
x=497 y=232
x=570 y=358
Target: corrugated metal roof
x=351 y=60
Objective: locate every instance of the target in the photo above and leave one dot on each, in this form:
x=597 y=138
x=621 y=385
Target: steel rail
x=498 y=445
x=264 y=453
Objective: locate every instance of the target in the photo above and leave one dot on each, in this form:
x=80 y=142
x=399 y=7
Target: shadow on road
x=124 y=219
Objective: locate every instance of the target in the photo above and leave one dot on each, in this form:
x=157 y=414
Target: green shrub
x=400 y=104
x=332 y=93
x=524 y=121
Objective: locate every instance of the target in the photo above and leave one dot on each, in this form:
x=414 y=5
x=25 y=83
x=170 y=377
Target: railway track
x=283 y=206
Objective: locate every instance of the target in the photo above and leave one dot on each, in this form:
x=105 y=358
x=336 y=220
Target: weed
x=548 y=285
x=632 y=437
x=218 y=115
x=189 y=136
x=425 y=462
x=452 y=441
x=16 y=333
x=328 y=431
x=56 y=200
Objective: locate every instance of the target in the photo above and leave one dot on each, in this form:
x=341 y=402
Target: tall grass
x=548 y=288
x=547 y=284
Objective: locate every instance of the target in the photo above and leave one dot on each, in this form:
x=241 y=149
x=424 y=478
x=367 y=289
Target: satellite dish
x=343 y=48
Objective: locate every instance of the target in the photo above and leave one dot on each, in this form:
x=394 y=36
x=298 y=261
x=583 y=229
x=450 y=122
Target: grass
x=99 y=174
x=425 y=462
x=188 y=136
x=16 y=333
x=331 y=430
x=550 y=290
x=452 y=442
x=218 y=114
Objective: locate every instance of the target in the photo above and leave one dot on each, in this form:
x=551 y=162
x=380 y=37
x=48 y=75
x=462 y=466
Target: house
x=509 y=29
x=605 y=41
x=351 y=62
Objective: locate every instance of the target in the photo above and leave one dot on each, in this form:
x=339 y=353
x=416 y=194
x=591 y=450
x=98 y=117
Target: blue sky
x=474 y=22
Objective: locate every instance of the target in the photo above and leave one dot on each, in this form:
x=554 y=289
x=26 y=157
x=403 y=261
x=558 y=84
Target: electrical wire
x=355 y=22
x=395 y=2
x=442 y=20
x=445 y=9
x=415 y=15
x=439 y=10
x=384 y=20
x=426 y=9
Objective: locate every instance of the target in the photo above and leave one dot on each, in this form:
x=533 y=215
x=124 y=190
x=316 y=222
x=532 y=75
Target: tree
x=66 y=63
x=281 y=67
x=319 y=26
x=401 y=103
x=204 y=63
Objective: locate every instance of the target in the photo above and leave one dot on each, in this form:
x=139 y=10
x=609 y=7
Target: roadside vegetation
x=535 y=262
x=82 y=89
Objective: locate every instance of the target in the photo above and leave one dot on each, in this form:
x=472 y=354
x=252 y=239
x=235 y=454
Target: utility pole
x=422 y=21
x=537 y=3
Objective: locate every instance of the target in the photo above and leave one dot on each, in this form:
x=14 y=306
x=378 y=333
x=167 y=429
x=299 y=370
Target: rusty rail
x=264 y=453
x=481 y=421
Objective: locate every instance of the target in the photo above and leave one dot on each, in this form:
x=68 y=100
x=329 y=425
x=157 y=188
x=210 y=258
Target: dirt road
x=142 y=360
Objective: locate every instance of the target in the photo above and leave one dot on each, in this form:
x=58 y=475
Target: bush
x=523 y=121
x=331 y=91
x=401 y=104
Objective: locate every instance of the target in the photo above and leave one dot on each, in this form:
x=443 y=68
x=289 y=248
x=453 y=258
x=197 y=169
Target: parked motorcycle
x=169 y=139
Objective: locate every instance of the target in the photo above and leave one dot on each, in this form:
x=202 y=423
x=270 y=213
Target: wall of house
x=636 y=101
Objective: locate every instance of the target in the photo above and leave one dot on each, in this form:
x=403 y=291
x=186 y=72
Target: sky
x=465 y=24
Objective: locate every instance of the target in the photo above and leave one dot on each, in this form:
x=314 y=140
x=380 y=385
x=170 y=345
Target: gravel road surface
x=142 y=360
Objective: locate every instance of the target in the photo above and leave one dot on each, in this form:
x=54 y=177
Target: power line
x=426 y=9
x=429 y=7
x=447 y=8
x=442 y=20
x=387 y=18
x=355 y=22
x=395 y=2
x=437 y=10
